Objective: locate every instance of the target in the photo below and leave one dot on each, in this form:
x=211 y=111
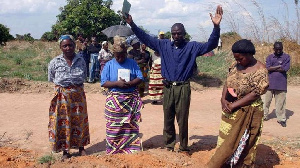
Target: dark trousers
x=176 y=103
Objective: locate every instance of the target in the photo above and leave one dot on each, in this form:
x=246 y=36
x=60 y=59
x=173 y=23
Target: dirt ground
x=24 y=137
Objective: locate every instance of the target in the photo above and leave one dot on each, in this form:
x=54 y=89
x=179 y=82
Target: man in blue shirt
x=277 y=64
x=177 y=62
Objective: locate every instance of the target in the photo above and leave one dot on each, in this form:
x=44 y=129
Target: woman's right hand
x=121 y=83
x=225 y=106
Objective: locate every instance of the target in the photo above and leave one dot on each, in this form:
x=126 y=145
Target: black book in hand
x=229 y=97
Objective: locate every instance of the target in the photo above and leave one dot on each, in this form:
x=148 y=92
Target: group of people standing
x=94 y=54
x=242 y=106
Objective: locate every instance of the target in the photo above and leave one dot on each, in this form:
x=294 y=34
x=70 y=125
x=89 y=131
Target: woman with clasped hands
x=242 y=109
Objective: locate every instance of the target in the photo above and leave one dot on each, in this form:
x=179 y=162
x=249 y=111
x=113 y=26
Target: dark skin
x=68 y=48
x=105 y=47
x=278 y=51
x=246 y=64
x=179 y=31
x=121 y=83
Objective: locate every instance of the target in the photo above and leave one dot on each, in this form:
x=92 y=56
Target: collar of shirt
x=61 y=56
x=181 y=45
x=275 y=56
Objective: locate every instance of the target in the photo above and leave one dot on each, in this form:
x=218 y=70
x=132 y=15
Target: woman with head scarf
x=242 y=108
x=68 y=119
x=121 y=76
x=104 y=55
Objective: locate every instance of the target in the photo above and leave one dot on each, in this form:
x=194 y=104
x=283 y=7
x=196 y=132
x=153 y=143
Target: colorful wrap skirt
x=155 y=83
x=247 y=119
x=68 y=119
x=122 y=114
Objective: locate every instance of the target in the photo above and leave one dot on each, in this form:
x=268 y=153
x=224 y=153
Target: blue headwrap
x=66 y=37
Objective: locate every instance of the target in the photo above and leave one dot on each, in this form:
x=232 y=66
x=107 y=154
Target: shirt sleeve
x=150 y=41
x=268 y=62
x=105 y=73
x=260 y=81
x=286 y=63
x=211 y=44
x=83 y=64
x=51 y=73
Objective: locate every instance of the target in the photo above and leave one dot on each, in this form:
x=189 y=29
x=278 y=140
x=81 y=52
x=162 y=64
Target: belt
x=174 y=83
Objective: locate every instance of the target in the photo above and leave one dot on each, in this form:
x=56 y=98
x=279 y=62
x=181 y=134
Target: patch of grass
x=216 y=66
x=4 y=68
x=27 y=61
x=17 y=74
x=28 y=76
x=294 y=70
x=47 y=159
x=18 y=60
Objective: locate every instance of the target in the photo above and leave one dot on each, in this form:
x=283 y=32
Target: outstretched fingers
x=219 y=10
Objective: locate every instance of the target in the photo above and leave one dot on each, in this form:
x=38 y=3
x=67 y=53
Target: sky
x=247 y=18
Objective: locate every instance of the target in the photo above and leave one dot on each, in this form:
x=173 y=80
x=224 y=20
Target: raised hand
x=218 y=16
x=128 y=19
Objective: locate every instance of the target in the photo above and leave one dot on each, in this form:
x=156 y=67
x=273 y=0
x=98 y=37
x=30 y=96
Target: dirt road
x=24 y=119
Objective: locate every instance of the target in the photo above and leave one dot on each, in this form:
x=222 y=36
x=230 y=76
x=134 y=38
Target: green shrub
x=294 y=70
x=18 y=60
x=47 y=159
x=216 y=66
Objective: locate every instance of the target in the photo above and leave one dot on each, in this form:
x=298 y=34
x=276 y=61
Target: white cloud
x=29 y=6
x=162 y=14
x=37 y=16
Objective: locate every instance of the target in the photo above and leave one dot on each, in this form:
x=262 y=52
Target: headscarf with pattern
x=66 y=37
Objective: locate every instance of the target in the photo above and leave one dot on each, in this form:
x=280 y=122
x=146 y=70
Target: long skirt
x=155 y=83
x=68 y=119
x=232 y=129
x=122 y=113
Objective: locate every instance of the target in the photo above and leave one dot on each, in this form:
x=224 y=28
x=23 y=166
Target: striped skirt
x=68 y=119
x=122 y=114
x=155 y=83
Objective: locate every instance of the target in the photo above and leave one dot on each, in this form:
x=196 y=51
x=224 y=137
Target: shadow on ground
x=289 y=113
x=266 y=157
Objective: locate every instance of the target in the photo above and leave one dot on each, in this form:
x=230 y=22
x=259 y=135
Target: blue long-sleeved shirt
x=177 y=63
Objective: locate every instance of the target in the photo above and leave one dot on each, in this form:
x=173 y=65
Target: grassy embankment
x=29 y=61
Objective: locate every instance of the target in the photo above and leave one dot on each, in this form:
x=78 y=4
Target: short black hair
x=243 y=46
x=278 y=43
x=179 y=25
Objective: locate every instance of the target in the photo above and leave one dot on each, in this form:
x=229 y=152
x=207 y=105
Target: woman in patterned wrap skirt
x=121 y=76
x=155 y=80
x=68 y=119
x=242 y=114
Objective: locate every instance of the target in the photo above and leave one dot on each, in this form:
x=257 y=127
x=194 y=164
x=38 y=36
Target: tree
x=25 y=37
x=89 y=17
x=4 y=35
x=48 y=36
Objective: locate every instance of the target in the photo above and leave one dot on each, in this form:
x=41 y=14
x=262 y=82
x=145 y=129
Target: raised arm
x=213 y=40
x=218 y=16
x=150 y=41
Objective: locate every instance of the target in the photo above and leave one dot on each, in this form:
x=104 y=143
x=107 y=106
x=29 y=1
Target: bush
x=48 y=36
x=4 y=35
